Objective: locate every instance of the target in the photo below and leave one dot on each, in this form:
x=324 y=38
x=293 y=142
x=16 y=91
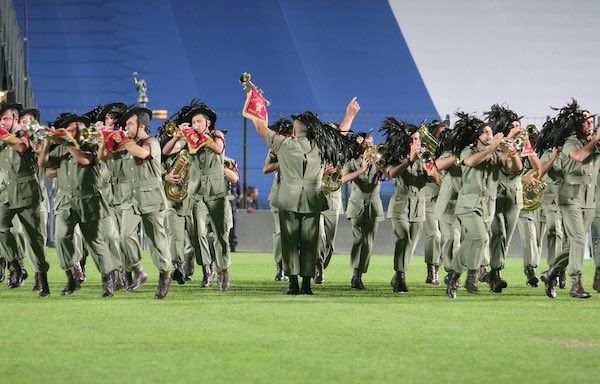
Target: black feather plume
x=334 y=148
x=500 y=118
x=397 y=139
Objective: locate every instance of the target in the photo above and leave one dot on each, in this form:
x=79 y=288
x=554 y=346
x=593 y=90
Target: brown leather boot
x=293 y=288
x=35 y=286
x=140 y=277
x=452 y=284
x=177 y=274
x=119 y=279
x=393 y=281
x=72 y=283
x=44 y=290
x=596 y=285
x=577 y=288
x=305 y=290
x=224 y=282
x=78 y=272
x=207 y=279
x=550 y=277
x=471 y=283
x=108 y=284
x=319 y=272
x=2 y=269
x=429 y=278
x=164 y=280
x=532 y=280
x=400 y=285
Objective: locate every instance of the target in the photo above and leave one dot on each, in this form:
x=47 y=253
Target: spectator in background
x=251 y=200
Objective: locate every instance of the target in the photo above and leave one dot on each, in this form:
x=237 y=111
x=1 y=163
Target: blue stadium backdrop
x=408 y=59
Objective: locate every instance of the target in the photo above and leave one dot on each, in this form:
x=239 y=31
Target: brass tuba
x=532 y=194
x=177 y=192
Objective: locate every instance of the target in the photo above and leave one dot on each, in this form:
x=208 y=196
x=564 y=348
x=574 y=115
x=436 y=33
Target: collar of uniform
x=140 y=138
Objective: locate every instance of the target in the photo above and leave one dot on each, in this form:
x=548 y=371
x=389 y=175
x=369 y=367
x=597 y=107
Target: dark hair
x=143 y=119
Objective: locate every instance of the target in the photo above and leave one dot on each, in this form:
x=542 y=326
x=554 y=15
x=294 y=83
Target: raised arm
x=351 y=112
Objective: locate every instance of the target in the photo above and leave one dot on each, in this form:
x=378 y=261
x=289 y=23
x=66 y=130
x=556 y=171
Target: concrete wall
x=255 y=234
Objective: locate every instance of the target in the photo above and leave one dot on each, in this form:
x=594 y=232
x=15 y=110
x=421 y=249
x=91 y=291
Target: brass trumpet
x=245 y=81
x=171 y=129
x=91 y=134
x=428 y=141
x=377 y=155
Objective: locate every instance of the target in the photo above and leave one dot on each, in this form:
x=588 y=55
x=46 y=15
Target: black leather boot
x=429 y=278
x=293 y=288
x=596 y=285
x=140 y=277
x=452 y=284
x=15 y=280
x=128 y=279
x=532 y=280
x=44 y=290
x=35 y=286
x=562 y=280
x=356 y=281
x=497 y=284
x=177 y=274
x=319 y=272
x=577 y=288
x=471 y=283
x=108 y=284
x=72 y=283
x=305 y=290
x=393 y=281
x=400 y=285
x=188 y=268
x=164 y=280
x=207 y=279
x=550 y=277
x=280 y=276
x=484 y=276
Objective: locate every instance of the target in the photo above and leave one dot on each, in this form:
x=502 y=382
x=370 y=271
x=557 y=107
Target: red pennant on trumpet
x=195 y=139
x=255 y=107
x=115 y=140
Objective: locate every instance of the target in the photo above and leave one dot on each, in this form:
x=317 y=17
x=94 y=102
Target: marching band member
x=365 y=209
x=208 y=187
x=146 y=204
x=271 y=165
x=509 y=201
x=21 y=196
x=431 y=226
x=576 y=196
x=80 y=200
x=481 y=164
x=407 y=205
x=550 y=217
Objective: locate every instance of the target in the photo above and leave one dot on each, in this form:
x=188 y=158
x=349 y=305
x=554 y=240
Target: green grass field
x=254 y=334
